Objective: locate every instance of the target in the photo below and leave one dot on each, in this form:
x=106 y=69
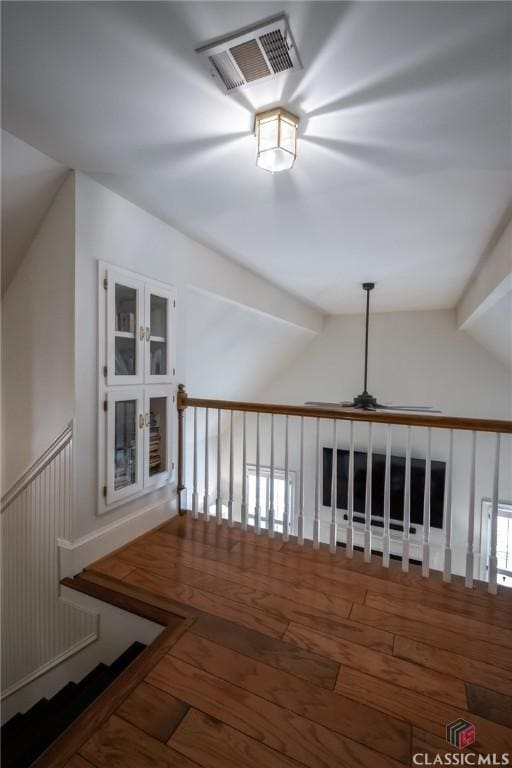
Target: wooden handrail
x=350 y=414
x=37 y=467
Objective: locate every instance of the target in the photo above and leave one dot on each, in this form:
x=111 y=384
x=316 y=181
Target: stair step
x=98 y=670
x=127 y=657
x=15 y=740
x=57 y=720
x=12 y=725
x=64 y=696
x=25 y=736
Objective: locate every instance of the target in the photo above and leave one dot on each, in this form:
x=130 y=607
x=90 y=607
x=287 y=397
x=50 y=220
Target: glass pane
x=125 y=459
x=158 y=342
x=157 y=435
x=126 y=308
x=504 y=543
x=268 y=133
x=125 y=357
x=287 y=136
x=125 y=325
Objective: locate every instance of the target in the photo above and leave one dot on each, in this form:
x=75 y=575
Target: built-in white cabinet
x=140 y=330
x=138 y=440
x=136 y=383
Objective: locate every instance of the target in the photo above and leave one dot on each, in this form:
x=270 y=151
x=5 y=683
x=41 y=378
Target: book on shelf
x=125 y=321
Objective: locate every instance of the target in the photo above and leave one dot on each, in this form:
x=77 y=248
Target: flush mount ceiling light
x=276 y=134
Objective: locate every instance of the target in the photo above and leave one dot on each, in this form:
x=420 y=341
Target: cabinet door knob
x=148 y=333
x=147 y=419
x=141 y=333
x=141 y=420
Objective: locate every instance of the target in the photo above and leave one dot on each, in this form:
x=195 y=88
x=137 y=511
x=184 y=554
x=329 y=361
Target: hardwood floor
x=295 y=657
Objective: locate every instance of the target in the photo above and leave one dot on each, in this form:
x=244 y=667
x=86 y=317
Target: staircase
x=25 y=736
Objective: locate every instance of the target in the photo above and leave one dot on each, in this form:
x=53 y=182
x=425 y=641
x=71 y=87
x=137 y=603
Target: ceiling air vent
x=253 y=54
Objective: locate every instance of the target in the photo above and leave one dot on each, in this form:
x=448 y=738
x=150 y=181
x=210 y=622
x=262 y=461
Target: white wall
x=30 y=182
x=416 y=358
x=37 y=341
x=493 y=329
x=111 y=229
x=233 y=351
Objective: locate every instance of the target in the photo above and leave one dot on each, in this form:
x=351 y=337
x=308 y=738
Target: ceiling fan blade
x=412 y=408
x=328 y=405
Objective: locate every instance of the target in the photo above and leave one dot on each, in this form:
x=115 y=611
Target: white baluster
x=316 y=521
x=300 y=520
x=425 y=562
x=407 y=505
x=447 y=572
x=195 y=496
x=368 y=500
x=334 y=486
x=493 y=560
x=231 y=448
x=471 y=515
x=257 y=508
x=387 y=499
x=286 y=514
x=350 y=495
x=206 y=511
x=271 y=506
x=243 y=506
x=219 y=470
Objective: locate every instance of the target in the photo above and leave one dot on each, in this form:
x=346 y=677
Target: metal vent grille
x=276 y=48
x=252 y=55
x=250 y=60
x=226 y=70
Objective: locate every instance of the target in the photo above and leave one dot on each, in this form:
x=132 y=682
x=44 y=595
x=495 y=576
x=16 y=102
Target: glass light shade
x=276 y=133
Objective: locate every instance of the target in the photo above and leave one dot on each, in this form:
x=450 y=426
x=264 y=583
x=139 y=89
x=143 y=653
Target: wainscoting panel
x=39 y=628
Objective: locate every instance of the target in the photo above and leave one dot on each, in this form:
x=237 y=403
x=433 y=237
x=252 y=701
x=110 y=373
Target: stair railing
x=39 y=629
x=242 y=442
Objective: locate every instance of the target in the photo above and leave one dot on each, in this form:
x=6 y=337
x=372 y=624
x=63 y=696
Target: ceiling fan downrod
x=365 y=400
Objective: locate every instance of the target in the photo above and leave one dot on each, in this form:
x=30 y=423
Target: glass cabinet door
x=160 y=365
x=125 y=425
x=157 y=436
x=125 y=332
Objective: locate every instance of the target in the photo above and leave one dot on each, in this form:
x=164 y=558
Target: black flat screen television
x=397 y=476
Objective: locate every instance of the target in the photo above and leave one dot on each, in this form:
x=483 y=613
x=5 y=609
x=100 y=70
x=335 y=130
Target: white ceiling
x=404 y=161
x=30 y=181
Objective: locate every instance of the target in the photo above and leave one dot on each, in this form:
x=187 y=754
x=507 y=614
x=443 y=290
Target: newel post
x=181 y=403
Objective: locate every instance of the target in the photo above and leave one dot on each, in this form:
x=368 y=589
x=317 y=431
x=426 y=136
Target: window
x=504 y=545
x=503 y=541
x=279 y=496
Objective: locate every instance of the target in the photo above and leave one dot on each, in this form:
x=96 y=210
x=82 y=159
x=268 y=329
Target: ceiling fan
x=365 y=401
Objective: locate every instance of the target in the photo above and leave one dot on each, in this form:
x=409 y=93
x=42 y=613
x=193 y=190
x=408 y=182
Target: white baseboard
x=75 y=555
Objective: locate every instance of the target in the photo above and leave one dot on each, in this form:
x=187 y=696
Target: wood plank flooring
x=294 y=657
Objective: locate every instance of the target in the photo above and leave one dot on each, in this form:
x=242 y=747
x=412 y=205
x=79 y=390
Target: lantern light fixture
x=276 y=134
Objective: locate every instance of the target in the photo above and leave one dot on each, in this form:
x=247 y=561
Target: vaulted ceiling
x=404 y=163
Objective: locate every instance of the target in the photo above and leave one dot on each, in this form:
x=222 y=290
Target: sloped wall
x=37 y=341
